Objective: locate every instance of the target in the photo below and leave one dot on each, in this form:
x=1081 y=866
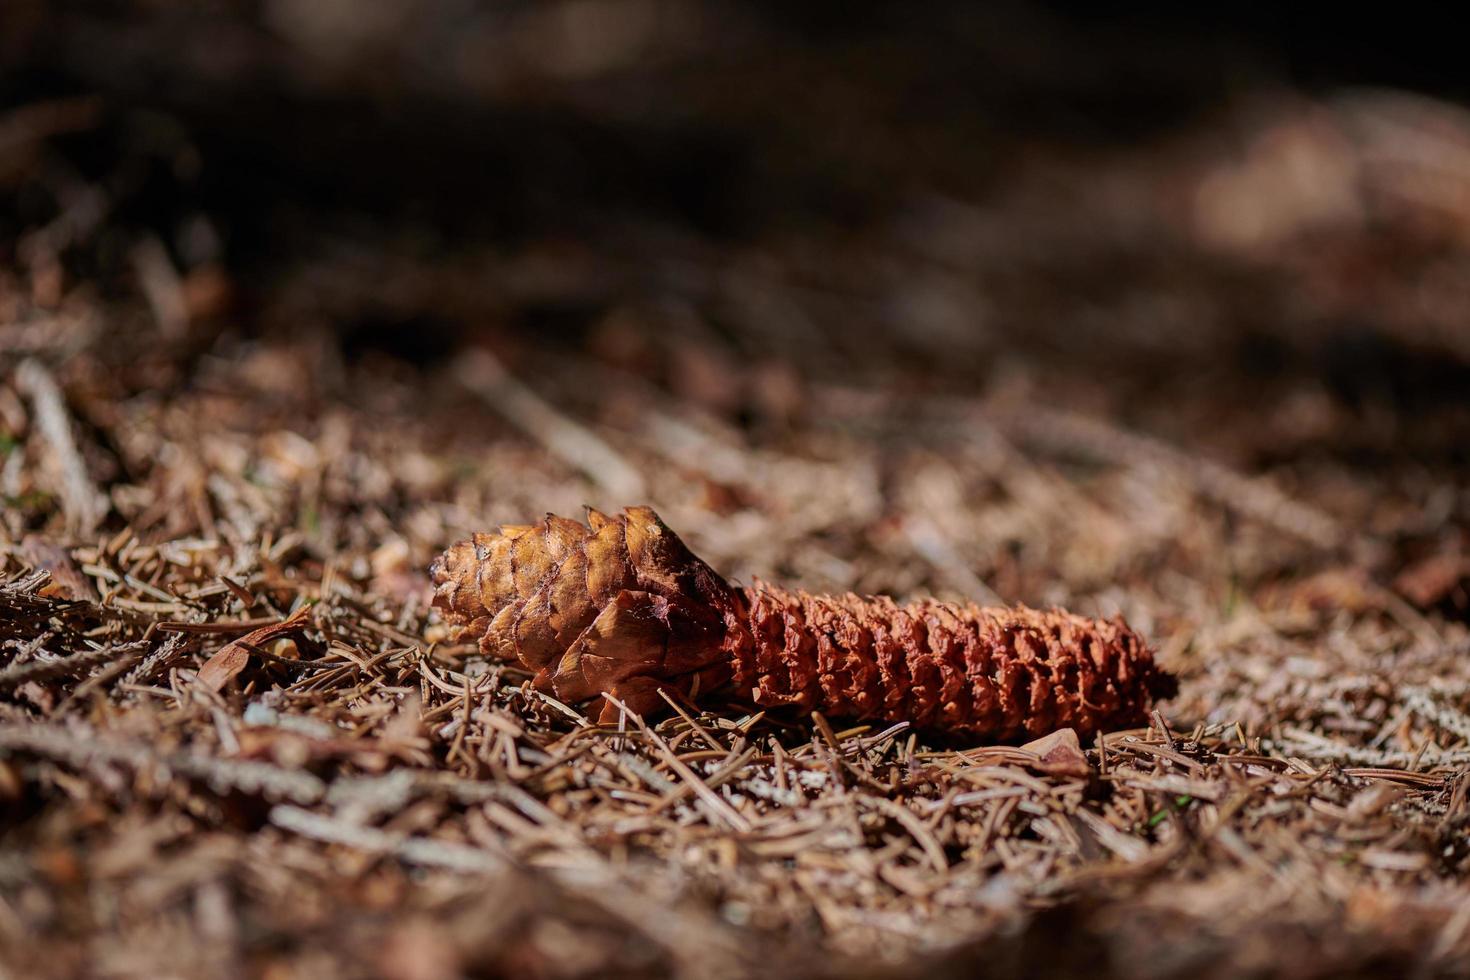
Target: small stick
x=572 y=442
x=83 y=504
x=37 y=670
x=80 y=747
x=413 y=850
x=1056 y=430
x=28 y=125
x=715 y=802
x=162 y=287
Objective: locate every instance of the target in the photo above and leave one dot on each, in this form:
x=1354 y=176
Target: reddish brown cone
x=623 y=607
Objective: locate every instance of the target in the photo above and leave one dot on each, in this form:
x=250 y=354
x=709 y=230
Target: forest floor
x=1244 y=430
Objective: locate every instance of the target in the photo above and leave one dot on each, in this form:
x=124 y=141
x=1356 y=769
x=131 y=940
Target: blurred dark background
x=947 y=188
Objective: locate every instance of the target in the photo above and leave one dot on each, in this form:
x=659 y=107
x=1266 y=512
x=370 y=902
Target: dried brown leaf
x=234 y=657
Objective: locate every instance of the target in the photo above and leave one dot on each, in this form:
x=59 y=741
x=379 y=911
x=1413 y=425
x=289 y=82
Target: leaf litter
x=234 y=740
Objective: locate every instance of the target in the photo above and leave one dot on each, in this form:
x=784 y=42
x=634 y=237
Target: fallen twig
x=570 y=441
x=84 y=505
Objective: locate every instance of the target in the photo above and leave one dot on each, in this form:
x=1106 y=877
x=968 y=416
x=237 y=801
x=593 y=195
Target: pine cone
x=623 y=607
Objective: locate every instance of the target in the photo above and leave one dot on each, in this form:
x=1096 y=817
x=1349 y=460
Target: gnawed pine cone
x=622 y=606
